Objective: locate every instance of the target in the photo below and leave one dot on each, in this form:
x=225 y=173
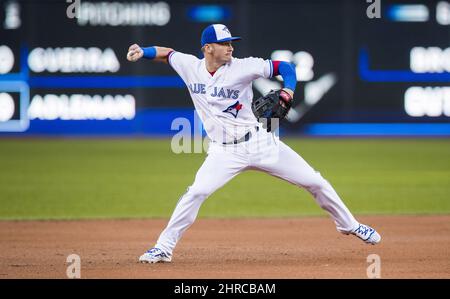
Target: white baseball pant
x=265 y=152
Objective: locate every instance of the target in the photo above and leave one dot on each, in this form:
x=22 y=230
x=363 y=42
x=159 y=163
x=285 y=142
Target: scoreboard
x=63 y=67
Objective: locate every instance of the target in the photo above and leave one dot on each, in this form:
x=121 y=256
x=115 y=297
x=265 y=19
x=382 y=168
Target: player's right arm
x=135 y=52
x=182 y=63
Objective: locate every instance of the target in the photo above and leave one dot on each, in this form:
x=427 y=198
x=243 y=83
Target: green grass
x=70 y=179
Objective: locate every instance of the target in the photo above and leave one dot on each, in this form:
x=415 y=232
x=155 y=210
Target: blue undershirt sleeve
x=287 y=71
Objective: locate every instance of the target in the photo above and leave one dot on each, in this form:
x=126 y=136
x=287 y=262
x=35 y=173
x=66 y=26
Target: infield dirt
x=411 y=247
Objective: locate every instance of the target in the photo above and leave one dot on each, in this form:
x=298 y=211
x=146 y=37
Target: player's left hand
x=275 y=104
x=286 y=97
x=289 y=91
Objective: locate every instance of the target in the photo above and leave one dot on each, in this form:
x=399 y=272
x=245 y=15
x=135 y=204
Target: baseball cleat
x=155 y=255
x=367 y=234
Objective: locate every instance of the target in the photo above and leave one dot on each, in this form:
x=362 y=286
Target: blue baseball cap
x=217 y=33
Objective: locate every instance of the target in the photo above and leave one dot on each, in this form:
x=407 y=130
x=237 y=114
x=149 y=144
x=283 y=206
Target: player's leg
x=218 y=168
x=290 y=166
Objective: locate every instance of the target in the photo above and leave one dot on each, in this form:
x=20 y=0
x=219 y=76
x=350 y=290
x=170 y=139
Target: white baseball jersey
x=223 y=100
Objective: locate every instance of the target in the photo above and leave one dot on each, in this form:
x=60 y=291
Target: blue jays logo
x=225 y=28
x=233 y=109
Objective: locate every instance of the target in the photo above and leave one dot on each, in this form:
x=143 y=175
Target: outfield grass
x=69 y=179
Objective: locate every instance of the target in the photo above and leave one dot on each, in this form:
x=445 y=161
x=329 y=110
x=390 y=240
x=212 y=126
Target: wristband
x=149 y=52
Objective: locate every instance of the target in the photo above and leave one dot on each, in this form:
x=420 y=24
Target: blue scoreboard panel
x=63 y=67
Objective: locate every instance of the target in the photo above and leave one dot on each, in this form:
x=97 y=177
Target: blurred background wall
x=375 y=68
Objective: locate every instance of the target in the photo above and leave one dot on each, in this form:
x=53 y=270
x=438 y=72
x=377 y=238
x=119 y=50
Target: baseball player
x=220 y=86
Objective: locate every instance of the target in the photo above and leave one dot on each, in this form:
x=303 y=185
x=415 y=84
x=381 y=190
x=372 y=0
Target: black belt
x=246 y=137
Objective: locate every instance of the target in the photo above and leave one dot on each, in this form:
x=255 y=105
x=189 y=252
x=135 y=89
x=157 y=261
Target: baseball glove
x=274 y=105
